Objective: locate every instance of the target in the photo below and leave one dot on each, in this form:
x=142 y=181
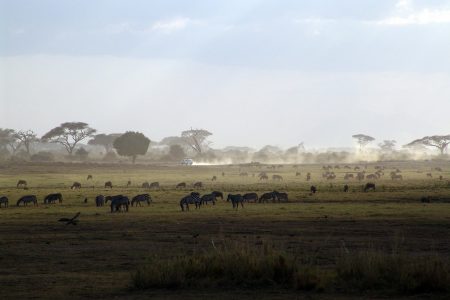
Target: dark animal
x=73 y=221
x=298 y=174
x=108 y=184
x=145 y=185
x=396 y=177
x=235 y=200
x=208 y=198
x=198 y=185
x=76 y=185
x=27 y=199
x=52 y=198
x=369 y=186
x=346 y=188
x=277 y=177
x=154 y=185
x=181 y=185
x=313 y=189
x=425 y=199
x=192 y=198
x=251 y=197
x=281 y=197
x=128 y=183
x=348 y=176
x=118 y=202
x=218 y=194
x=263 y=177
x=21 y=183
x=89 y=177
x=372 y=176
x=141 y=198
x=266 y=197
x=360 y=176
x=430 y=175
x=4 y=200
x=308 y=176
x=214 y=178
x=99 y=200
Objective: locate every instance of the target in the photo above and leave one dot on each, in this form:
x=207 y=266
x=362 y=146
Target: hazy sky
x=252 y=72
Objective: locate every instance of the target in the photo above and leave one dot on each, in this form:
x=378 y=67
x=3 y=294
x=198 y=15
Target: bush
x=42 y=156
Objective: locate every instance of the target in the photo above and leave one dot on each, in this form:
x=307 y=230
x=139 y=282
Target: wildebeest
x=277 y=177
x=192 y=198
x=348 y=176
x=313 y=189
x=145 y=185
x=118 y=202
x=214 y=178
x=217 y=194
x=99 y=200
x=266 y=197
x=52 y=198
x=396 y=176
x=89 y=177
x=369 y=186
x=141 y=198
x=4 y=200
x=263 y=177
x=198 y=185
x=181 y=185
x=108 y=184
x=235 y=200
x=21 y=183
x=346 y=188
x=154 y=185
x=27 y=199
x=251 y=197
x=76 y=185
x=281 y=197
x=208 y=198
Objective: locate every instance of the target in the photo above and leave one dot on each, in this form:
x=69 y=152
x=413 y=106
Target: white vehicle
x=187 y=162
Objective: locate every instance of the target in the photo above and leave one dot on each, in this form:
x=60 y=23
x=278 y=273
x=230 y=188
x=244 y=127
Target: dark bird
x=72 y=221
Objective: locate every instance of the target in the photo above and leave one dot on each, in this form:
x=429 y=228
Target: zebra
x=141 y=198
x=181 y=185
x=198 y=184
x=145 y=185
x=52 y=198
x=21 y=183
x=154 y=185
x=117 y=202
x=192 y=198
x=208 y=198
x=266 y=197
x=4 y=200
x=89 y=177
x=369 y=186
x=251 y=197
x=217 y=194
x=76 y=185
x=313 y=189
x=99 y=200
x=346 y=188
x=108 y=184
x=281 y=196
x=235 y=200
x=27 y=199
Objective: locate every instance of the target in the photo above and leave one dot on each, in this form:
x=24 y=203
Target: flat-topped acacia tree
x=362 y=140
x=131 y=144
x=438 y=141
x=69 y=134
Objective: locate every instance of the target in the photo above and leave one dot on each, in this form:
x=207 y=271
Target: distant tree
x=387 y=145
x=105 y=140
x=172 y=140
x=131 y=144
x=27 y=138
x=69 y=134
x=10 y=139
x=81 y=154
x=438 y=141
x=196 y=138
x=176 y=152
x=362 y=140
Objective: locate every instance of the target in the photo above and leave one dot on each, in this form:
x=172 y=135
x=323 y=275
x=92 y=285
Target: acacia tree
x=196 y=138
x=387 y=145
x=176 y=152
x=105 y=140
x=362 y=140
x=27 y=138
x=10 y=139
x=69 y=134
x=131 y=144
x=438 y=141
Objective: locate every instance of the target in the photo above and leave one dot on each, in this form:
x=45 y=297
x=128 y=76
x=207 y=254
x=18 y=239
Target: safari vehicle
x=187 y=162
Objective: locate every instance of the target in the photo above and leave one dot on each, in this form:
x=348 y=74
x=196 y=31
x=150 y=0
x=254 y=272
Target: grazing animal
x=52 y=198
x=277 y=177
x=118 y=202
x=181 y=185
x=372 y=176
x=235 y=200
x=346 y=188
x=214 y=178
x=438 y=169
x=298 y=174
x=76 y=185
x=89 y=177
x=281 y=197
x=348 y=176
x=308 y=176
x=369 y=186
x=396 y=177
x=198 y=185
x=251 y=197
x=425 y=199
x=313 y=189
x=128 y=183
x=430 y=175
x=141 y=198
x=27 y=199
x=441 y=177
x=266 y=197
x=4 y=200
x=145 y=185
x=99 y=200
x=263 y=177
x=154 y=185
x=208 y=198
x=360 y=176
x=192 y=198
x=217 y=194
x=21 y=183
x=108 y=184
x=73 y=221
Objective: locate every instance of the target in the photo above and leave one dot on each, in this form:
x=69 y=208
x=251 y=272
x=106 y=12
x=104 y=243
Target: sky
x=253 y=72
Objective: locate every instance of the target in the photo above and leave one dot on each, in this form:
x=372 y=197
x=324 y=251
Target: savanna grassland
x=43 y=258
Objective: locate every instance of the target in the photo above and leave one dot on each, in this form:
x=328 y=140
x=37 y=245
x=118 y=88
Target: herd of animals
x=122 y=203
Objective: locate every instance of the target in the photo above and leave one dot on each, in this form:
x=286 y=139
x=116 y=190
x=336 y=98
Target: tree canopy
x=438 y=141
x=131 y=144
x=362 y=139
x=69 y=134
x=105 y=140
x=196 y=139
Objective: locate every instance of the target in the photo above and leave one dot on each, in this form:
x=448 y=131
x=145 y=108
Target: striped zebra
x=235 y=200
x=192 y=198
